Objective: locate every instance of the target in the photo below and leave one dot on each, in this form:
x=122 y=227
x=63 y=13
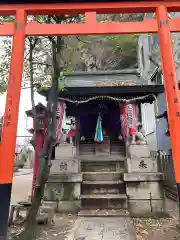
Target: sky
x=25 y=104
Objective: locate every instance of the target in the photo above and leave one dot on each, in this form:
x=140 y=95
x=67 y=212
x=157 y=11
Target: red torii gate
x=20 y=29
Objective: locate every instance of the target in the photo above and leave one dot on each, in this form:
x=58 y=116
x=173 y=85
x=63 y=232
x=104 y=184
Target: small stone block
x=146 y=208
x=143 y=165
x=62 y=191
x=66 y=177
x=64 y=166
x=64 y=151
x=143 y=177
x=139 y=151
x=144 y=190
x=69 y=206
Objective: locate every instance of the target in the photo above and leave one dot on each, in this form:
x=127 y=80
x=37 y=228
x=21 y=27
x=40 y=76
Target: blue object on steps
x=98 y=134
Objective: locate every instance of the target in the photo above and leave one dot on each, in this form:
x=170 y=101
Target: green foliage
x=3 y=86
x=6 y=18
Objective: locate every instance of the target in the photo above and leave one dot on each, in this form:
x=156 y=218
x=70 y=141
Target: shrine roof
x=103 y=78
x=123 y=83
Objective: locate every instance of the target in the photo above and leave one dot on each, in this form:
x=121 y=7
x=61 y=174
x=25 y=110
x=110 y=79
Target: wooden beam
x=147 y=26
x=6 y=29
x=100 y=8
x=174 y=25
x=34 y=29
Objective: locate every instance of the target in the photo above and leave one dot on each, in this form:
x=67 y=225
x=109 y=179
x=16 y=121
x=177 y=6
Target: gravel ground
x=159 y=229
x=62 y=226
x=146 y=228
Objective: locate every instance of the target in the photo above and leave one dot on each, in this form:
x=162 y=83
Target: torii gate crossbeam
x=20 y=29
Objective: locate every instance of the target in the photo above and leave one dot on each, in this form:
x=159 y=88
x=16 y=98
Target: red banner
x=128 y=119
x=131 y=118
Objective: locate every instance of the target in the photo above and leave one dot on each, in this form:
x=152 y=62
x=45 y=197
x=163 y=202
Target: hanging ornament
x=99 y=133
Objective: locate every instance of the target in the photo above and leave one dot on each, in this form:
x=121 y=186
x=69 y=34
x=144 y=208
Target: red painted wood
x=170 y=85
x=8 y=140
x=75 y=8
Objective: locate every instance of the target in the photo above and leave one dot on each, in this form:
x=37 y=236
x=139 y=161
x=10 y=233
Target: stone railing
x=165 y=165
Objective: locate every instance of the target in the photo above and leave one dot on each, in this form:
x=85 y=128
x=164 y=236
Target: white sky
x=25 y=104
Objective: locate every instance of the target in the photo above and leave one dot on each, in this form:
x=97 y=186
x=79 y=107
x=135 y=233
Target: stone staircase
x=103 y=191
x=101 y=180
x=87 y=148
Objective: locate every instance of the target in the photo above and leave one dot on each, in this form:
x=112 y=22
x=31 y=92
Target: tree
x=109 y=52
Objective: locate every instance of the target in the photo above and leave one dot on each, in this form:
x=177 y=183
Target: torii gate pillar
x=7 y=146
x=171 y=87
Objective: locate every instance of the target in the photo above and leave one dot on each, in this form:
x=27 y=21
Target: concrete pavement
x=103 y=228
x=21 y=187
x=23 y=172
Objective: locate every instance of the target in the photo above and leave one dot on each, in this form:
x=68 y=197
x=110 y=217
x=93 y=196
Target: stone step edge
x=103 y=196
x=102 y=213
x=143 y=177
x=107 y=160
x=102 y=159
x=113 y=172
x=102 y=182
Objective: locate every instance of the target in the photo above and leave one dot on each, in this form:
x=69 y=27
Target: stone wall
x=63 y=186
x=143 y=183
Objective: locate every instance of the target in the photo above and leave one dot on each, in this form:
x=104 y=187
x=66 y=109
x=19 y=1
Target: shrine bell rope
x=122 y=100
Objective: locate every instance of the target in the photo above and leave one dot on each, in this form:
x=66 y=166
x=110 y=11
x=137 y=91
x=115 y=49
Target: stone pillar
x=144 y=186
x=63 y=185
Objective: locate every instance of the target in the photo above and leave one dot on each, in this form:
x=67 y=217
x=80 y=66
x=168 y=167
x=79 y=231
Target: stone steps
x=115 y=148
x=105 y=187
x=101 y=158
x=102 y=166
x=102 y=182
x=102 y=176
x=86 y=148
x=102 y=188
x=104 y=196
x=118 y=148
x=103 y=201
